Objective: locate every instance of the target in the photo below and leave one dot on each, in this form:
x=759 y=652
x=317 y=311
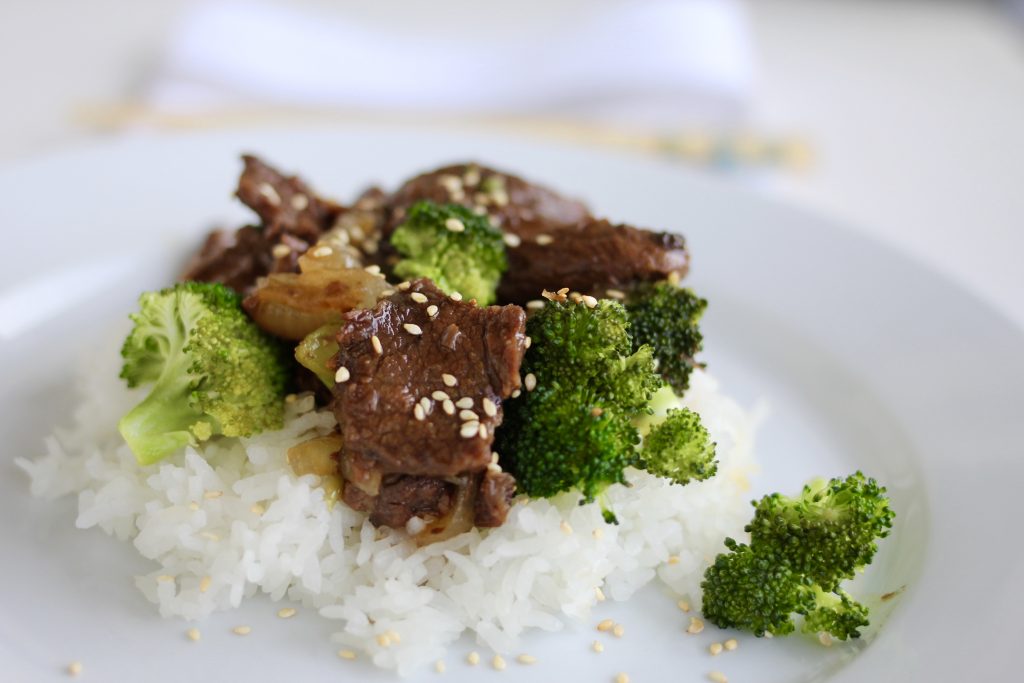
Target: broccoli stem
x=162 y=423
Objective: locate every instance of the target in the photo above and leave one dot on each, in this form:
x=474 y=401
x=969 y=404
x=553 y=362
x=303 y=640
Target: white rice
x=234 y=512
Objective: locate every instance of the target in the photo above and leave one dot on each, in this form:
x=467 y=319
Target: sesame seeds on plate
x=412 y=328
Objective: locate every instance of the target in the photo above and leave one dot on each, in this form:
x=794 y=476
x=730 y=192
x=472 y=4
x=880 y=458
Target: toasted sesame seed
x=731 y=644
x=419 y=413
x=74 y=668
x=498 y=663
x=469 y=430
x=597 y=646
x=204 y=584
x=530 y=381
x=490 y=407
x=210 y=495
x=439 y=666
x=683 y=605
x=598 y=533
x=482 y=431
x=322 y=250
x=512 y=240
x=674 y=277
x=499 y=197
x=210 y=536
x=432 y=310
x=383 y=640
x=300 y=202
x=825 y=639
x=448 y=407
x=473 y=659
x=528 y=342
x=605 y=625
x=418 y=297
x=193 y=634
x=287 y=612
x=449 y=379
x=696 y=626
x=544 y=240
x=717 y=677
x=269 y=193
x=455 y=225
x=468 y=415
x=164 y=578
x=428 y=405
x=516 y=393
x=342 y=375
x=372 y=270
x=456 y=296
x=280 y=250
x=493 y=467
x=589 y=301
x=412 y=328
x=465 y=402
x=439 y=396
x=347 y=654
x=534 y=304
x=387 y=292
x=599 y=594
x=615 y=294
x=394 y=636
x=621 y=678
x=526 y=659
x=715 y=649
x=565 y=527
x=619 y=630
x=673 y=559
x=378 y=348
x=257 y=509
x=403 y=285
x=193 y=506
x=242 y=630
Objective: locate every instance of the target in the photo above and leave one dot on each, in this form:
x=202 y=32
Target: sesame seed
x=731 y=644
x=210 y=536
x=696 y=626
x=300 y=202
x=499 y=197
x=455 y=225
x=471 y=176
x=683 y=605
x=372 y=270
x=286 y=612
x=619 y=630
x=469 y=430
x=528 y=342
x=204 y=584
x=448 y=407
x=280 y=250
x=673 y=559
x=322 y=251
x=257 y=509
x=393 y=635
x=432 y=310
x=193 y=634
x=383 y=640
x=377 y=346
x=530 y=381
x=482 y=431
x=418 y=297
x=622 y=678
x=563 y=291
x=449 y=379
x=439 y=666
x=825 y=639
x=498 y=663
x=565 y=527
x=428 y=405
x=418 y=412
x=598 y=533
x=544 y=240
x=439 y=396
x=468 y=415
x=242 y=630
x=456 y=296
x=269 y=193
x=717 y=677
x=210 y=495
x=516 y=393
x=599 y=594
x=715 y=649
x=165 y=578
x=387 y=292
x=347 y=654
x=490 y=407
x=512 y=240
x=74 y=668
x=412 y=328
x=193 y=506
x=493 y=468
x=464 y=402
x=526 y=659
x=342 y=375
x=605 y=625
x=534 y=304
x=674 y=277
x=472 y=659
x=590 y=301
x=403 y=286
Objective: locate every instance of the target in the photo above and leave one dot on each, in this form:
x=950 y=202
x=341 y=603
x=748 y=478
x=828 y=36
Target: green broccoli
x=800 y=550
x=213 y=371
x=666 y=317
x=457 y=249
x=679 y=448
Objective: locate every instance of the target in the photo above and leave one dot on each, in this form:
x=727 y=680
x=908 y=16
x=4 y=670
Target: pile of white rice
x=229 y=520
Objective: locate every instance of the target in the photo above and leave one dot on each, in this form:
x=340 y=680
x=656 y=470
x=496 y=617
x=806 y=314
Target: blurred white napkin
x=661 y=62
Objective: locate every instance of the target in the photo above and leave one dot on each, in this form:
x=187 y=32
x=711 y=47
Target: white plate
x=868 y=361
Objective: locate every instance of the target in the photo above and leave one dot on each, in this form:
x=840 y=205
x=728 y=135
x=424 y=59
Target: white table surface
x=915 y=109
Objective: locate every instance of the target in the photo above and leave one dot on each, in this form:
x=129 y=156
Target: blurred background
x=904 y=118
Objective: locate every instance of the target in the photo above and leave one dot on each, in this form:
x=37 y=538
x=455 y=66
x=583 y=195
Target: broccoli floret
x=214 y=371
x=828 y=531
x=574 y=430
x=799 y=552
x=666 y=317
x=457 y=249
x=679 y=448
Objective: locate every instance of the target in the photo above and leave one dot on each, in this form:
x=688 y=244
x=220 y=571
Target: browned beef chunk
x=493 y=498
x=591 y=259
x=234 y=259
x=428 y=402
x=400 y=500
x=285 y=204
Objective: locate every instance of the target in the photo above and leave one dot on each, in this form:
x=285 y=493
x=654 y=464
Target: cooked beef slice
x=493 y=498
x=285 y=204
x=429 y=401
